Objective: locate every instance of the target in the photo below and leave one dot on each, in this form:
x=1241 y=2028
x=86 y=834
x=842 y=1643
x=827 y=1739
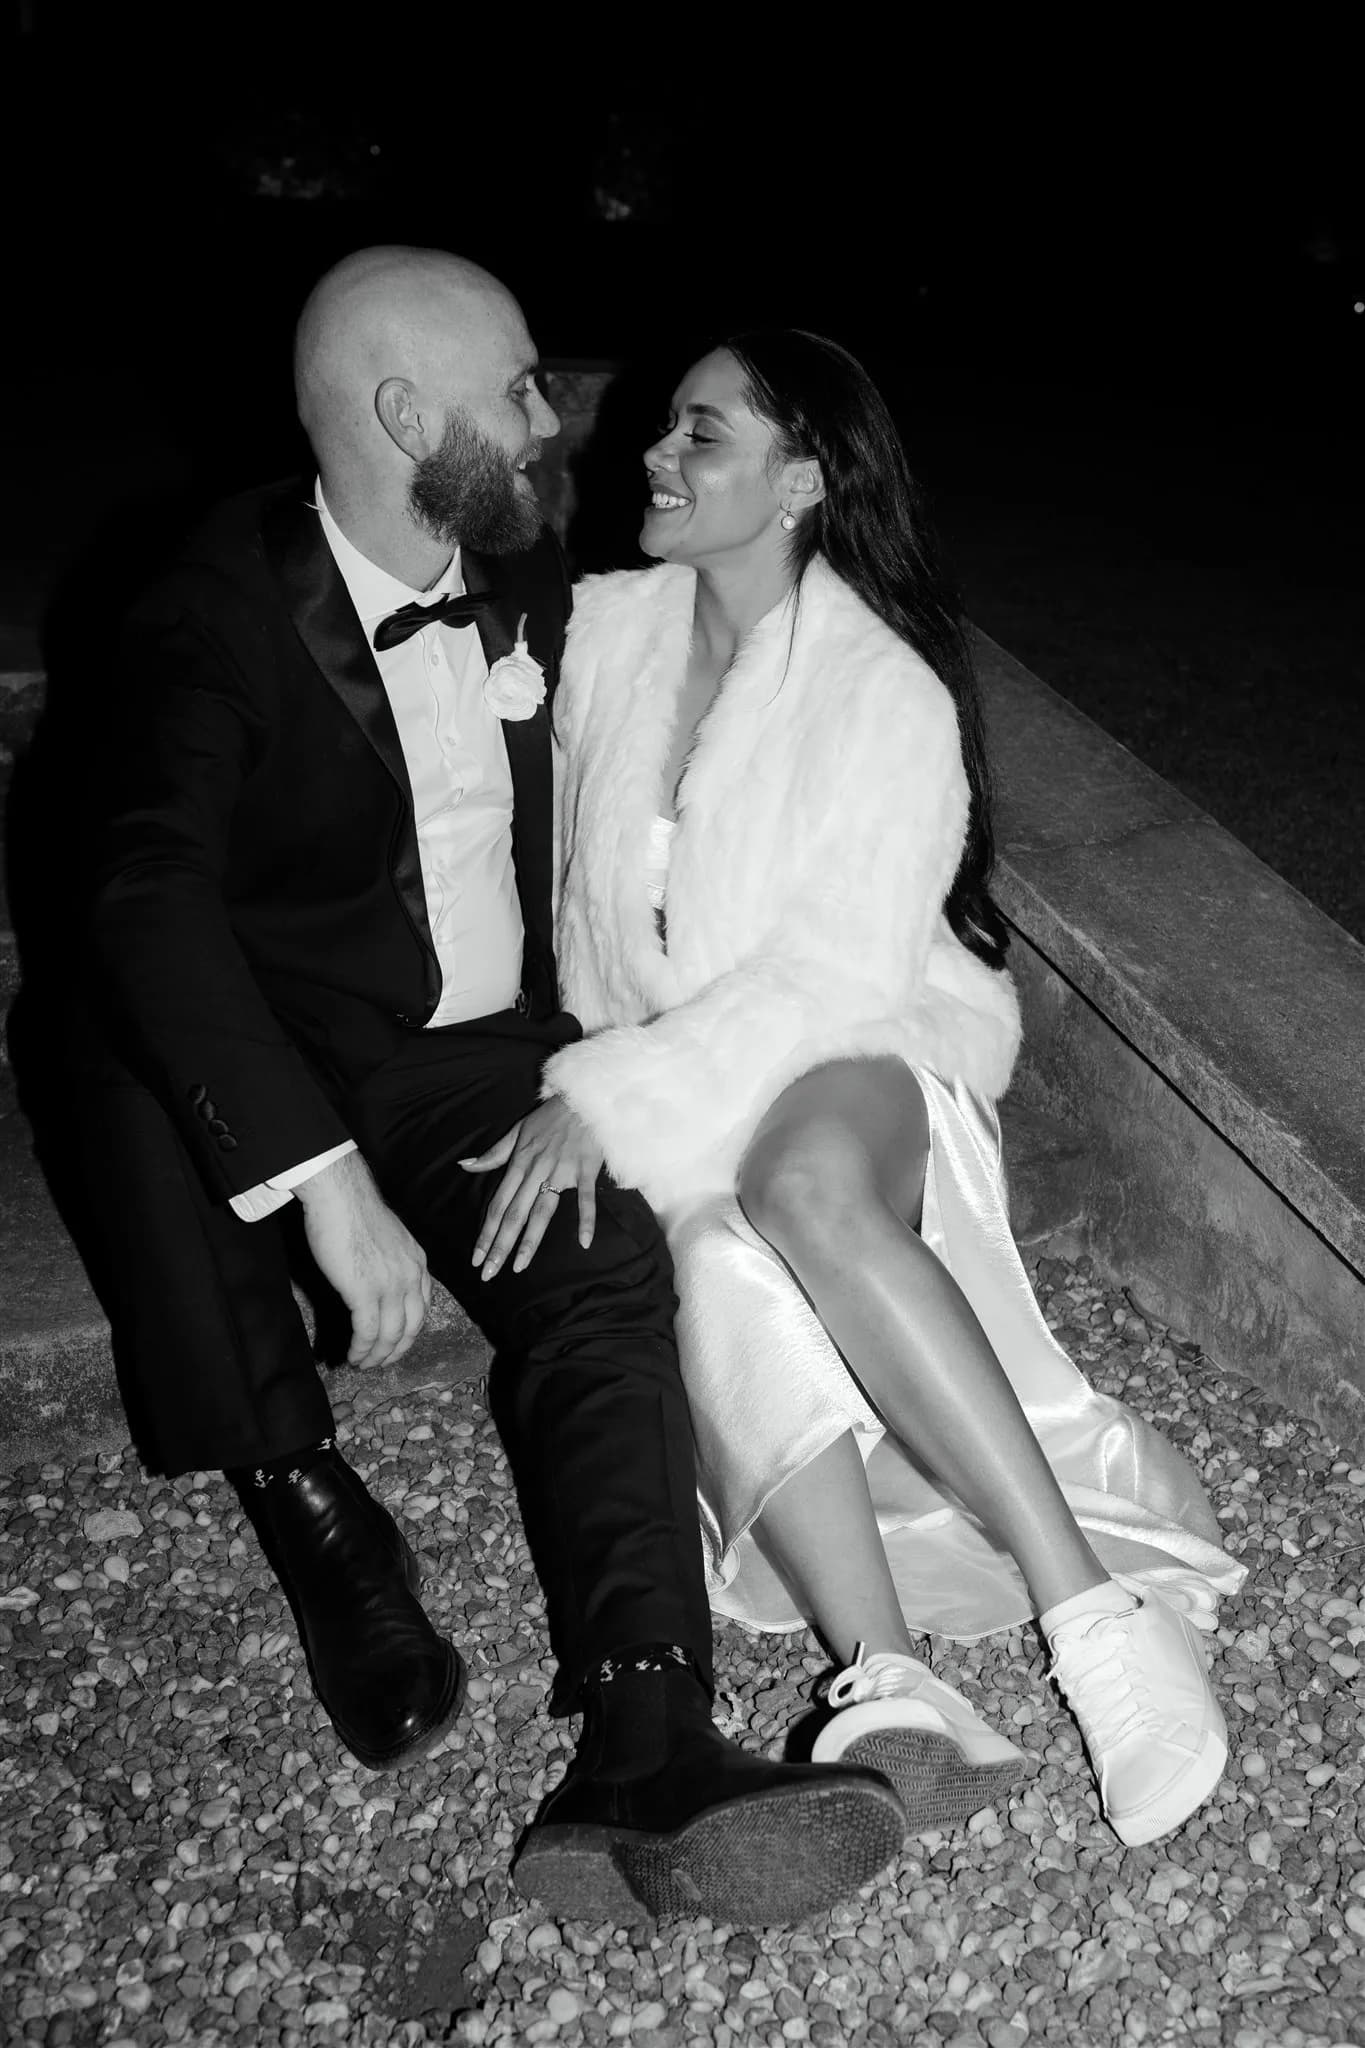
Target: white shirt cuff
x=269 y=1195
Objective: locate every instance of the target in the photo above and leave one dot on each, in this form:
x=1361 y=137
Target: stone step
x=58 y=1387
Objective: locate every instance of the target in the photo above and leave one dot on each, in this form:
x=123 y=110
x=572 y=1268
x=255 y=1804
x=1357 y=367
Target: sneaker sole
x=771 y=1859
x=936 y=1785
x=1196 y=1785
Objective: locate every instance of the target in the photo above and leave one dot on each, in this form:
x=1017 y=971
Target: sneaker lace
x=869 y=1678
x=1104 y=1683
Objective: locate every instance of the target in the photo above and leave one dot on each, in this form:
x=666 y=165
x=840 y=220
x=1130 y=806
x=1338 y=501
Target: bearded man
x=323 y=928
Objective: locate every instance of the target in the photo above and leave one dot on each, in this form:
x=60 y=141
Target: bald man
x=323 y=932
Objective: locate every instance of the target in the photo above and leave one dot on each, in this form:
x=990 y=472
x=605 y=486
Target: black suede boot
x=388 y=1681
x=660 y=1813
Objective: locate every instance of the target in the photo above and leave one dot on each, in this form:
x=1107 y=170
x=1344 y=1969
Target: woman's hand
x=550 y=1153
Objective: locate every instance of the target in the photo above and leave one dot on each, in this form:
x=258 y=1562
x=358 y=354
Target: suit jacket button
x=227 y=1143
x=522 y=1005
x=197 y=1092
x=218 y=1128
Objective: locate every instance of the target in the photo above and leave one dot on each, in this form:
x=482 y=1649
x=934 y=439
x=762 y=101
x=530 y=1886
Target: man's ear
x=803 y=485
x=404 y=420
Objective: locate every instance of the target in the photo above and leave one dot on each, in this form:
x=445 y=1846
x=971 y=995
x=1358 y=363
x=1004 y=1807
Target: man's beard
x=466 y=494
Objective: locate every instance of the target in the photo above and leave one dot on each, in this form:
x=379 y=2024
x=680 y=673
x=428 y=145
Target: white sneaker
x=897 y=1718
x=1137 y=1683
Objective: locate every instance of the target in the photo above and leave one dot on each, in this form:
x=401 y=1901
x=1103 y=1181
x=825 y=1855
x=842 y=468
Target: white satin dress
x=768 y=1392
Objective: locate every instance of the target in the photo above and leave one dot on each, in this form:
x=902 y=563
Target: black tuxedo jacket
x=259 y=918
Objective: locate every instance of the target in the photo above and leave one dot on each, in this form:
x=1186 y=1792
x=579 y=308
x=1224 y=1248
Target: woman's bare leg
x=944 y=1761
x=822 y=1529
x=834 y=1181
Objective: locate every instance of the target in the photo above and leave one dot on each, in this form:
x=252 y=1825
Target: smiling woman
x=716 y=489
x=722 y=501
x=797 y=1063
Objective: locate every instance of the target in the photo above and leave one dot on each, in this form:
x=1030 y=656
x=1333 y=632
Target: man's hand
x=550 y=1153
x=373 y=1261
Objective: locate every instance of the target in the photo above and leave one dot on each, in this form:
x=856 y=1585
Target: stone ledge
x=1199 y=1020
x=1246 y=997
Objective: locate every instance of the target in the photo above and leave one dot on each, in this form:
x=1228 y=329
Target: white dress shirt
x=456 y=759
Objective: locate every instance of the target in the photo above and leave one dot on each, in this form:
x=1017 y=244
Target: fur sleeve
x=844 y=955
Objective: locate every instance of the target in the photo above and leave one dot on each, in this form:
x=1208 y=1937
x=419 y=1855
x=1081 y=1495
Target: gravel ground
x=187 y=1856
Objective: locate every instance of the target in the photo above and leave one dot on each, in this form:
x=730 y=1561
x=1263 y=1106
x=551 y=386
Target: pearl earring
x=788 y=521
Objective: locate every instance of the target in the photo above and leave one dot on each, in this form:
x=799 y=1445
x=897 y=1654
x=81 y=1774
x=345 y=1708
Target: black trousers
x=585 y=1388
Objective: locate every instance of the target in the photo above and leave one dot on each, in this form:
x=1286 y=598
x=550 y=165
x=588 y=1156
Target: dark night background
x=1108 y=289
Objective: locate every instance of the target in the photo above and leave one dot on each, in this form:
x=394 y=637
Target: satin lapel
x=528 y=755
x=325 y=621
x=495 y=629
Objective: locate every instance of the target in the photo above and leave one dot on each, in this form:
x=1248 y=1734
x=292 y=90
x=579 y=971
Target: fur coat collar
x=821 y=817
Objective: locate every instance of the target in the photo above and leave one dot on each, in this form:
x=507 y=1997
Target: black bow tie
x=447 y=611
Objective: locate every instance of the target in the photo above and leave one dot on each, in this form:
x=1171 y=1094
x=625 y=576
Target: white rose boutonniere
x=516 y=684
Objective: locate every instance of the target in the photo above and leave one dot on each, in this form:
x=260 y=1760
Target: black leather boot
x=388 y=1681
x=660 y=1813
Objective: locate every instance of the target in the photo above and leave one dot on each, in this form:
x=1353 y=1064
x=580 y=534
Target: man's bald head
x=442 y=326
x=416 y=386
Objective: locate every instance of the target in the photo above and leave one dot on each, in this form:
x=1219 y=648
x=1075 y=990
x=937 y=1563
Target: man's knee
x=622 y=1281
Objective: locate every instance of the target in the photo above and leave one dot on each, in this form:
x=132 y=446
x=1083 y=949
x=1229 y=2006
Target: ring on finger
x=548 y=1188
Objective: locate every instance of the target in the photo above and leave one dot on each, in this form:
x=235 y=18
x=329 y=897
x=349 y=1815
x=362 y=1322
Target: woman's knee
x=844 y=1140
x=806 y=1191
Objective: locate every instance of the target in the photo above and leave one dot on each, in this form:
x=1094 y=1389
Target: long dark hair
x=872 y=529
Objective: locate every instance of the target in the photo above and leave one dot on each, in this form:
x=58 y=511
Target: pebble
x=185 y=1849
x=110 y=1525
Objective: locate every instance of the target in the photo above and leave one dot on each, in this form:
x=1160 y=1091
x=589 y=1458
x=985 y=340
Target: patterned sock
x=644 y=1657
x=290 y=1466
x=639 y=1703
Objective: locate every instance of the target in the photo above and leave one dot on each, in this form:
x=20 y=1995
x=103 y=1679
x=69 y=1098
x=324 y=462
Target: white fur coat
x=821 y=819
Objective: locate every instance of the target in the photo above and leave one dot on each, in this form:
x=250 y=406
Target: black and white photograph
x=682 y=1090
